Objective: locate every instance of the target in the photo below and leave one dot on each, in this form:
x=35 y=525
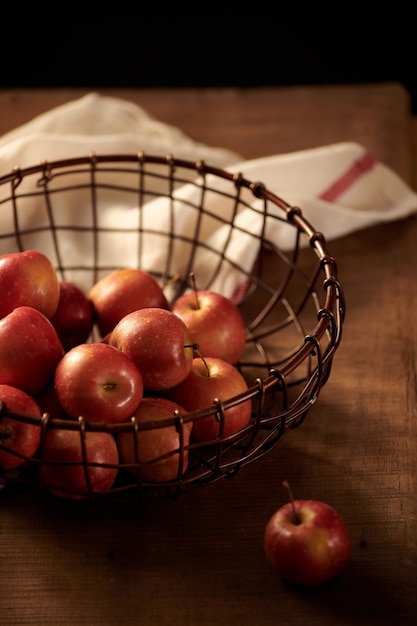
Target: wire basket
x=172 y=217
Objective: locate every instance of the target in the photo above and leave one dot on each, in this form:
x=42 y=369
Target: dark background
x=198 y=45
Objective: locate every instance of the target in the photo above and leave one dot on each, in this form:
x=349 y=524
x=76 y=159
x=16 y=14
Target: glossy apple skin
x=122 y=292
x=30 y=349
x=208 y=380
x=98 y=382
x=159 y=343
x=311 y=552
x=74 y=317
x=28 y=279
x=214 y=322
x=20 y=437
x=62 y=471
x=152 y=444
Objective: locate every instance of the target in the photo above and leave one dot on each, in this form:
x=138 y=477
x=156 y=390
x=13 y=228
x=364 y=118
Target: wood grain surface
x=258 y=122
x=199 y=561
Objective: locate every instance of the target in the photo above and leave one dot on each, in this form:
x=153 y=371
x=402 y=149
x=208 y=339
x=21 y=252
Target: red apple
x=159 y=343
x=215 y=324
x=28 y=279
x=20 y=437
x=98 y=382
x=306 y=542
x=212 y=379
x=47 y=400
x=63 y=471
x=30 y=349
x=157 y=449
x=73 y=319
x=122 y=292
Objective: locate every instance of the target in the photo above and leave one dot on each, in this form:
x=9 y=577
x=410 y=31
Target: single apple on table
x=30 y=349
x=66 y=474
x=73 y=319
x=122 y=292
x=159 y=343
x=28 y=279
x=155 y=451
x=215 y=324
x=306 y=542
x=98 y=382
x=213 y=379
x=20 y=437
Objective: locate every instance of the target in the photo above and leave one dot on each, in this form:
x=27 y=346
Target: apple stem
x=174 y=279
x=286 y=486
x=194 y=285
x=200 y=356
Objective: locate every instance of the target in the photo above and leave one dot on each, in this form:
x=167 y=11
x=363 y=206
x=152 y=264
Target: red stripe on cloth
x=358 y=168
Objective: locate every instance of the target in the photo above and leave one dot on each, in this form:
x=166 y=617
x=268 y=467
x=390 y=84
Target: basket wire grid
x=94 y=214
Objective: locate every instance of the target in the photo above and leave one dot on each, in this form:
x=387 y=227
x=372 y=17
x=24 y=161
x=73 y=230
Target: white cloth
x=340 y=188
x=100 y=124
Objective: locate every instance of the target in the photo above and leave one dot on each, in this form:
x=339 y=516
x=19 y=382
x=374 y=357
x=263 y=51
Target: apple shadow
x=208 y=544
x=168 y=557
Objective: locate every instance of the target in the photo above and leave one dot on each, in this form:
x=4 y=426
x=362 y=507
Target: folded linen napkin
x=340 y=188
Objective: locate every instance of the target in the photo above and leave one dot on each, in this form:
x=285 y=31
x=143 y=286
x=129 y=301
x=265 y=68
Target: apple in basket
x=215 y=324
x=154 y=454
x=122 y=292
x=20 y=437
x=306 y=541
x=30 y=349
x=98 y=382
x=213 y=379
x=159 y=343
x=28 y=279
x=73 y=319
x=47 y=400
x=64 y=470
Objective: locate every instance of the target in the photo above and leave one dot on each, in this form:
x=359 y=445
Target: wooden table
x=199 y=560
